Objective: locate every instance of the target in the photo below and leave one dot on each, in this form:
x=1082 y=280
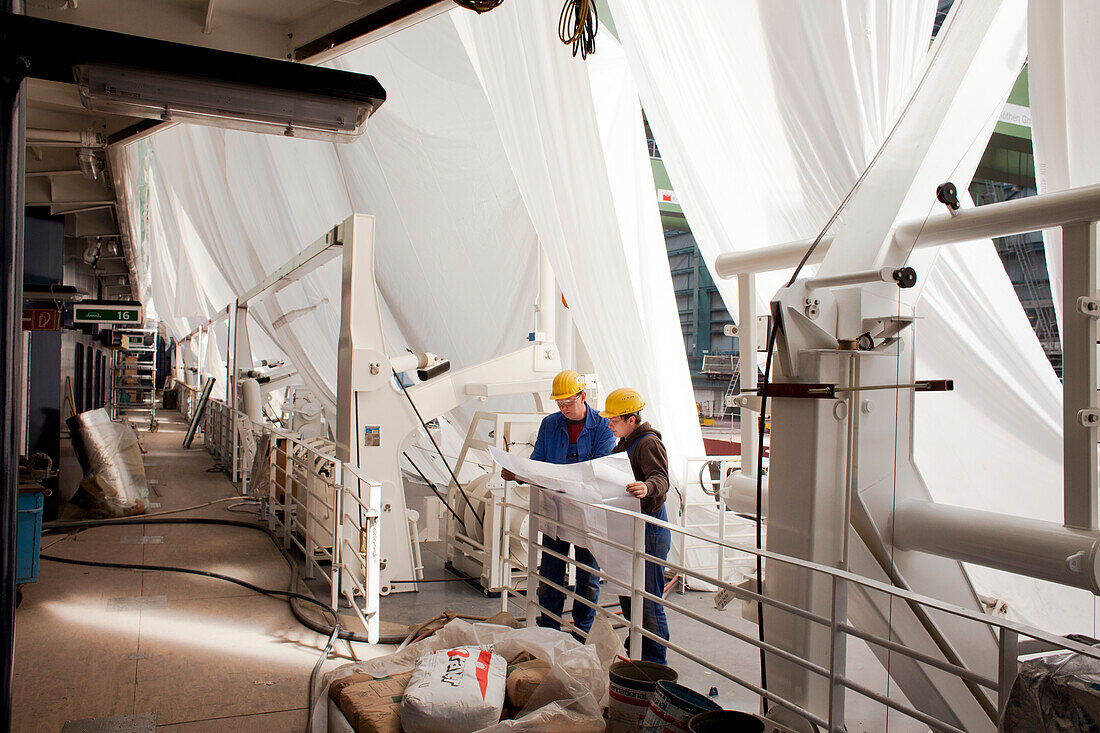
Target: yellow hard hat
x=623 y=401
x=567 y=384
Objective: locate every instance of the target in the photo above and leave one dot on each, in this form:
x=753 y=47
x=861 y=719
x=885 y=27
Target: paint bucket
x=672 y=706
x=630 y=686
x=725 y=721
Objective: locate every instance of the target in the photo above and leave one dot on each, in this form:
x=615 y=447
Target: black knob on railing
x=905 y=277
x=949 y=195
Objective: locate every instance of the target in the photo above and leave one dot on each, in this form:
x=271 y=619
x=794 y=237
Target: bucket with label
x=630 y=686
x=672 y=706
x=725 y=721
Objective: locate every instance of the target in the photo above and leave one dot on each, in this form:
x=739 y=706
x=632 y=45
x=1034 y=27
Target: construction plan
x=572 y=495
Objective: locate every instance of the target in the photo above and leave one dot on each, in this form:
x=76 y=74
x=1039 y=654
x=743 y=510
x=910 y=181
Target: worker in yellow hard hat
x=575 y=433
x=649 y=462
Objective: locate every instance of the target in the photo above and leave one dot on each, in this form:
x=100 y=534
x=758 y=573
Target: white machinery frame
x=835 y=489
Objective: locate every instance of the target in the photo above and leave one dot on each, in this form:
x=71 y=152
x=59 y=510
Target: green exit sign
x=107 y=313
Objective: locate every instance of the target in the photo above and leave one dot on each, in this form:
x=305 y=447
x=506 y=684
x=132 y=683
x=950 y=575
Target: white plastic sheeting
x=1064 y=74
x=449 y=221
x=766 y=113
x=582 y=166
x=456 y=244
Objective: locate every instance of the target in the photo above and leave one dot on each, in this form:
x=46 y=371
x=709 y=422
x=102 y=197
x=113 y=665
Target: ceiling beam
x=397 y=15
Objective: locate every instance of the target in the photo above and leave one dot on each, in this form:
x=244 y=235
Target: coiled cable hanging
x=578 y=25
x=478 y=6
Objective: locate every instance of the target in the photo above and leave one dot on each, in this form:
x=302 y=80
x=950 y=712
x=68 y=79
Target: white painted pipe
x=1002 y=219
x=1031 y=547
x=405 y=362
x=739 y=493
x=884 y=274
x=979 y=223
x=251 y=401
x=766 y=259
x=82 y=138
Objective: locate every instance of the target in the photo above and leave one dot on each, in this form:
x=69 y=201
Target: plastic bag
x=570 y=699
x=114 y=483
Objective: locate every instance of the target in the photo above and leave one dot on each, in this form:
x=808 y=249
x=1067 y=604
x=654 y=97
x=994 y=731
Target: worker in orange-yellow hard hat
x=649 y=462
x=574 y=434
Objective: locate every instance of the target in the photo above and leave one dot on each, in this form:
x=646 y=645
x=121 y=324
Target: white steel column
x=1080 y=417
x=746 y=357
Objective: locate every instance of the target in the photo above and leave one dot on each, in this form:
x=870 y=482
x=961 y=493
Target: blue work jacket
x=552 y=445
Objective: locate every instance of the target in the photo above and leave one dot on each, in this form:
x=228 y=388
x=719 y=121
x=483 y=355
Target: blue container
x=28 y=534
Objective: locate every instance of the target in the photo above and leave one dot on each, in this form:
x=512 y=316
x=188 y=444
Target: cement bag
x=458 y=690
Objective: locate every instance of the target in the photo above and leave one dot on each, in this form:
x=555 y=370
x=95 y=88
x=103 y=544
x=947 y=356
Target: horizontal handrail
x=832 y=572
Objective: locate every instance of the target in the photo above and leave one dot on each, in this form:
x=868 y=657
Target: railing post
x=637 y=585
x=1008 y=665
x=372 y=560
x=721 y=574
x=506 y=549
x=838 y=645
x=235 y=440
x=288 y=500
x=338 y=535
x=532 y=557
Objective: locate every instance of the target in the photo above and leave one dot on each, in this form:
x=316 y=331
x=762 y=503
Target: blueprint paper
x=561 y=488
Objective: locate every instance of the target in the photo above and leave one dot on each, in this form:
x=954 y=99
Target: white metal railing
x=322 y=506
x=843 y=583
x=187 y=399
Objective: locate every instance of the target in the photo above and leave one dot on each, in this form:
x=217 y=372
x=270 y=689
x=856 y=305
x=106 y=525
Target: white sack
x=457 y=690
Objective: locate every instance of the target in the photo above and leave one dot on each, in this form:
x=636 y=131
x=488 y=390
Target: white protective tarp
x=574 y=137
x=456 y=246
x=1063 y=74
x=446 y=207
x=765 y=114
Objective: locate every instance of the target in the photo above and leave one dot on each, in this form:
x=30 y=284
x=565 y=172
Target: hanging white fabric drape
x=455 y=248
x=1064 y=74
x=765 y=113
x=455 y=253
x=582 y=168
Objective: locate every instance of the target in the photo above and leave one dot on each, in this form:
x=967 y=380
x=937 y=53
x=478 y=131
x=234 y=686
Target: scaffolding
x=134 y=373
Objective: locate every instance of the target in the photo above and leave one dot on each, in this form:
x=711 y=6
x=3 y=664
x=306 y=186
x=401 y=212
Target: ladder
x=733 y=388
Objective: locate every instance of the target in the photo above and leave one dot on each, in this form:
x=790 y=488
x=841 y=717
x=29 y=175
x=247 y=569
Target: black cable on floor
x=309 y=623
x=191 y=571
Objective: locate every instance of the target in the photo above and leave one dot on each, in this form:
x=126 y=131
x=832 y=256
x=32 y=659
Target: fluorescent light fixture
x=66 y=293
x=229 y=104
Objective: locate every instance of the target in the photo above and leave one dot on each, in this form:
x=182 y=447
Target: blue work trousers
x=554 y=570
x=657 y=543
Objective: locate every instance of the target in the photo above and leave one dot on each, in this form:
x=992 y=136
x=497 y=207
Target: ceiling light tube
x=229 y=104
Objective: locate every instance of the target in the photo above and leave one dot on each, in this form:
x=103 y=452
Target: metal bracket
x=802 y=391
x=1088 y=306
x=812 y=307
x=745 y=402
x=1089 y=417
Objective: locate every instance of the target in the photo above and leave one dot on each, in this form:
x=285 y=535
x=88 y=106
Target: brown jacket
x=649 y=463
